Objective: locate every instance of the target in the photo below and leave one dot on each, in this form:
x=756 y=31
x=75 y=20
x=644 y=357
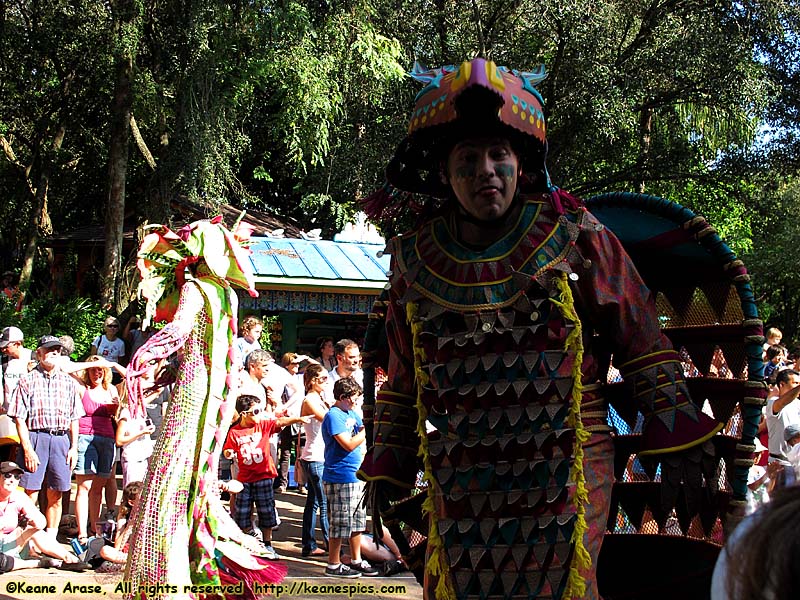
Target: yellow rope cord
x=576 y=584
x=437 y=565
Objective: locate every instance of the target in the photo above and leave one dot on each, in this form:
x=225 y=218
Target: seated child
x=113 y=556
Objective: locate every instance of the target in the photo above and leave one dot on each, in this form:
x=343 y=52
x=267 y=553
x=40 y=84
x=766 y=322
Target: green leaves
x=295 y=106
x=80 y=318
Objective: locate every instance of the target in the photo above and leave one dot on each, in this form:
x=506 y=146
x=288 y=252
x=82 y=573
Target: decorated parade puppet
x=502 y=309
x=183 y=535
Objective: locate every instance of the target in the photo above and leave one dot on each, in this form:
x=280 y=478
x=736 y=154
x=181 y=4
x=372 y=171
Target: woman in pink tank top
x=96 y=445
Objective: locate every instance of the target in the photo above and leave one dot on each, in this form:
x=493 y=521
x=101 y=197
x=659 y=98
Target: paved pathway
x=303 y=581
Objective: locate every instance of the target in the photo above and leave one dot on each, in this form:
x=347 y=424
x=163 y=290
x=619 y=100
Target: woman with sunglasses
x=109 y=345
x=22 y=529
x=312 y=459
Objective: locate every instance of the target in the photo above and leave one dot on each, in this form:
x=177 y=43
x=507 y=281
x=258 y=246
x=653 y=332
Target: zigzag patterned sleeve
x=393 y=455
x=622 y=310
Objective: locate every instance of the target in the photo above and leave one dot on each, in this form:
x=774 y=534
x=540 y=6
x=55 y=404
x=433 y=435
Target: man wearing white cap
x=46 y=407
x=15 y=361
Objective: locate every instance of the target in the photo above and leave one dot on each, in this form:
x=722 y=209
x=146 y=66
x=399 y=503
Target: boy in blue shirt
x=343 y=433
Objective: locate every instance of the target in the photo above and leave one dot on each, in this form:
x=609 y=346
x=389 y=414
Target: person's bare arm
x=36 y=520
x=762 y=425
x=773 y=469
x=387 y=541
x=784 y=400
x=282 y=422
x=351 y=442
x=71 y=368
x=72 y=453
x=123 y=437
x=313 y=406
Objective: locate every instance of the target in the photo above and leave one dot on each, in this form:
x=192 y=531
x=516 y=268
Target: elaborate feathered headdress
x=164 y=256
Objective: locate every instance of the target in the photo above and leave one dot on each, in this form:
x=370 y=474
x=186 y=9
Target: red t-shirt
x=251 y=445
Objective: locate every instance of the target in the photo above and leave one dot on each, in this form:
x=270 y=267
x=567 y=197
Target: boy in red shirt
x=248 y=441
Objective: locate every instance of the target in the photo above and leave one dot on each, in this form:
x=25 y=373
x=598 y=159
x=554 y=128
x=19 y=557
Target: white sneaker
x=271 y=554
x=341 y=570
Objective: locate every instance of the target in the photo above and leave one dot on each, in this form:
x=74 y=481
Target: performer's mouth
x=489 y=191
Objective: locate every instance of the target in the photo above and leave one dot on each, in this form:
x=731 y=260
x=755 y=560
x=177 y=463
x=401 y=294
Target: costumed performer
x=496 y=302
x=182 y=534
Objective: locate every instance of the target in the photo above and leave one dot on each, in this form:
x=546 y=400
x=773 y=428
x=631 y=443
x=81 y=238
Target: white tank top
x=314 y=449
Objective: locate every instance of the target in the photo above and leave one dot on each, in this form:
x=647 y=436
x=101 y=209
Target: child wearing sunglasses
x=248 y=441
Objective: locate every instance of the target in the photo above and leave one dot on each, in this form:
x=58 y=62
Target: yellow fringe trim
x=576 y=584
x=437 y=565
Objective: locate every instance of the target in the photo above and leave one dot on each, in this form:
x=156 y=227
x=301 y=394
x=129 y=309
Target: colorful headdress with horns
x=474 y=99
x=164 y=256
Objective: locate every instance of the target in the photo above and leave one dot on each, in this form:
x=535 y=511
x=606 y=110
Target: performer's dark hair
x=763 y=562
x=312 y=371
x=342 y=345
x=321 y=341
x=774 y=350
x=249 y=322
x=257 y=355
x=132 y=490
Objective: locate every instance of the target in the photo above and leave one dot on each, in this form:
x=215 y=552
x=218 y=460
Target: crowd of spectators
x=298 y=416
x=759 y=558
x=66 y=421
x=310 y=410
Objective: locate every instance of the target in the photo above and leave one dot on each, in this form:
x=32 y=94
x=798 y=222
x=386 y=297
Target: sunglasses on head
x=13 y=474
x=253 y=411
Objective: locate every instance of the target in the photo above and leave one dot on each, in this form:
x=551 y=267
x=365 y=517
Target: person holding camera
x=133 y=436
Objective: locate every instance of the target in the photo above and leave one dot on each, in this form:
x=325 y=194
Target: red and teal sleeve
x=622 y=310
x=671 y=421
x=393 y=454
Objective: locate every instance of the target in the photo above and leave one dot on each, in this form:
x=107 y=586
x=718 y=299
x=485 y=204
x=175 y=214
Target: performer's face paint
x=483 y=174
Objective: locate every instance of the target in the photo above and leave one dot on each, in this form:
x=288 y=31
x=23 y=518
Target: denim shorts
x=95 y=455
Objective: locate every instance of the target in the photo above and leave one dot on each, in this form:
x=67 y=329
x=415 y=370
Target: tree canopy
x=294 y=106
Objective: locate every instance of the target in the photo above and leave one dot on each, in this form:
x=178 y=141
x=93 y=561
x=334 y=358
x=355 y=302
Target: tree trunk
x=441 y=29
x=118 y=160
x=39 y=218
